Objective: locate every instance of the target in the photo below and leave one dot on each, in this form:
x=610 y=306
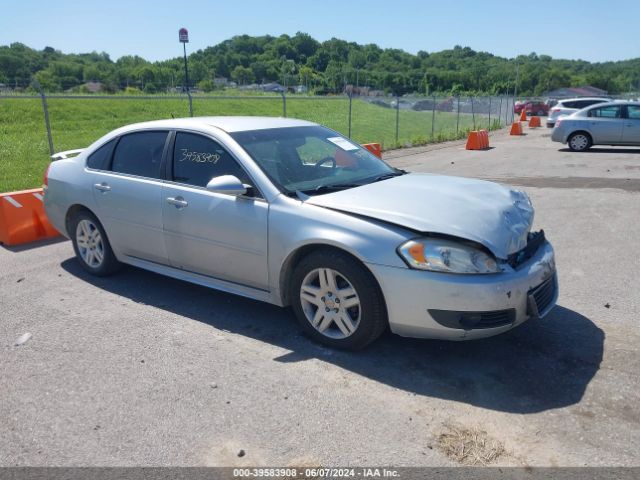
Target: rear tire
x=579 y=141
x=91 y=245
x=337 y=301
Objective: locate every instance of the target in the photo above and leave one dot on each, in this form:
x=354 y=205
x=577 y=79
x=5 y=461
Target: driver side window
x=633 y=112
x=197 y=159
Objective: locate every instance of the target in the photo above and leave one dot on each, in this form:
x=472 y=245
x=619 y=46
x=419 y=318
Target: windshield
x=312 y=159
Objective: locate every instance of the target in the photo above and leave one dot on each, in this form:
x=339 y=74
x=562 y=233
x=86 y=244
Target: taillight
x=45 y=179
x=555 y=109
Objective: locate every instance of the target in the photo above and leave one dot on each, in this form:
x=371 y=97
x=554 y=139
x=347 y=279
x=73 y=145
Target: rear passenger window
x=100 y=159
x=605 y=112
x=197 y=159
x=586 y=103
x=140 y=154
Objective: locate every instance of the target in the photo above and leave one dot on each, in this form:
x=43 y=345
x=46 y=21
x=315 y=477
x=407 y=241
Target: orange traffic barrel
x=473 y=141
x=374 y=148
x=516 y=128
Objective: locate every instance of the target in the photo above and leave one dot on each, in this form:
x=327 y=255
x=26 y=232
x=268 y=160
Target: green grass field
x=76 y=123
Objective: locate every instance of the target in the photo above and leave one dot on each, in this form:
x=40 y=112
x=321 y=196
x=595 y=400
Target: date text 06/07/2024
x=319 y=472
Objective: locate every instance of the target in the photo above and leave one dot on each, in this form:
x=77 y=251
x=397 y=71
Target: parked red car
x=518 y=106
x=536 y=108
x=532 y=108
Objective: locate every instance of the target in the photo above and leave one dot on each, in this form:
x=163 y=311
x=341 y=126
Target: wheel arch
x=74 y=210
x=294 y=258
x=110 y=262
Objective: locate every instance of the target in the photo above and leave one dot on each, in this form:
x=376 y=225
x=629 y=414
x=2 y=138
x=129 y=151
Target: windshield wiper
x=336 y=187
x=330 y=188
x=396 y=173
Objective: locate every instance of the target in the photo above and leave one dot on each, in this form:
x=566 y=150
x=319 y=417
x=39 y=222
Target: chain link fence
x=33 y=127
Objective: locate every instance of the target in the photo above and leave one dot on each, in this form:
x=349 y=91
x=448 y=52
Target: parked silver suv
x=571 y=105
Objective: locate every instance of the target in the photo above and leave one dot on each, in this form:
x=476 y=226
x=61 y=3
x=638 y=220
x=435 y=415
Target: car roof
x=583 y=98
x=228 y=124
x=614 y=103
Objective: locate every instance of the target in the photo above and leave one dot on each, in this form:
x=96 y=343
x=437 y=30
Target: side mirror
x=227 y=184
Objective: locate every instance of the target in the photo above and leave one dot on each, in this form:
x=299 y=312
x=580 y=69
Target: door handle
x=629 y=124
x=103 y=187
x=179 y=202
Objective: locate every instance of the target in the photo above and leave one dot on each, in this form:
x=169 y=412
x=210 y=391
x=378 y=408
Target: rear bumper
x=558 y=135
x=417 y=299
x=56 y=212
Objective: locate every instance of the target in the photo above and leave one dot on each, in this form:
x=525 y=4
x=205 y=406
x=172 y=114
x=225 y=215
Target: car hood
x=485 y=212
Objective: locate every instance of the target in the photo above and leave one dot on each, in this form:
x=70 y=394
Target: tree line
x=322 y=67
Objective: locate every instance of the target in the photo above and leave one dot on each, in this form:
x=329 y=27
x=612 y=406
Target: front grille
x=541 y=297
x=474 y=320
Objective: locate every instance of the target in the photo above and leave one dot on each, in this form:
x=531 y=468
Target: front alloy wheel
x=337 y=300
x=330 y=303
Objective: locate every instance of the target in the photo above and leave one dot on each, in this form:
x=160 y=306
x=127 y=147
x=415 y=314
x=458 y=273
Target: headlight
x=439 y=255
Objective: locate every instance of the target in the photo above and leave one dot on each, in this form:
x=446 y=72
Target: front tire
x=337 y=300
x=579 y=142
x=92 y=246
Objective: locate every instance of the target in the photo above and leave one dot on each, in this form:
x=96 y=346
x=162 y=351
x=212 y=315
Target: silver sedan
x=612 y=123
x=292 y=213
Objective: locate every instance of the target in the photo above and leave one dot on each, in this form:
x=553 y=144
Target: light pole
x=287 y=64
x=515 y=87
x=45 y=108
x=183 y=36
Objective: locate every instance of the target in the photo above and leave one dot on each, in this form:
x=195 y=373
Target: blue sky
x=588 y=29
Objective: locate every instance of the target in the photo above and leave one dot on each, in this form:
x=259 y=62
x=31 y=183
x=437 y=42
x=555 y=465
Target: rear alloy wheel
x=92 y=246
x=579 y=142
x=337 y=300
x=540 y=113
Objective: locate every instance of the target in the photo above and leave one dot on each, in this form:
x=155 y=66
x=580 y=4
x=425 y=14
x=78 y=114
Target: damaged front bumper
x=458 y=307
